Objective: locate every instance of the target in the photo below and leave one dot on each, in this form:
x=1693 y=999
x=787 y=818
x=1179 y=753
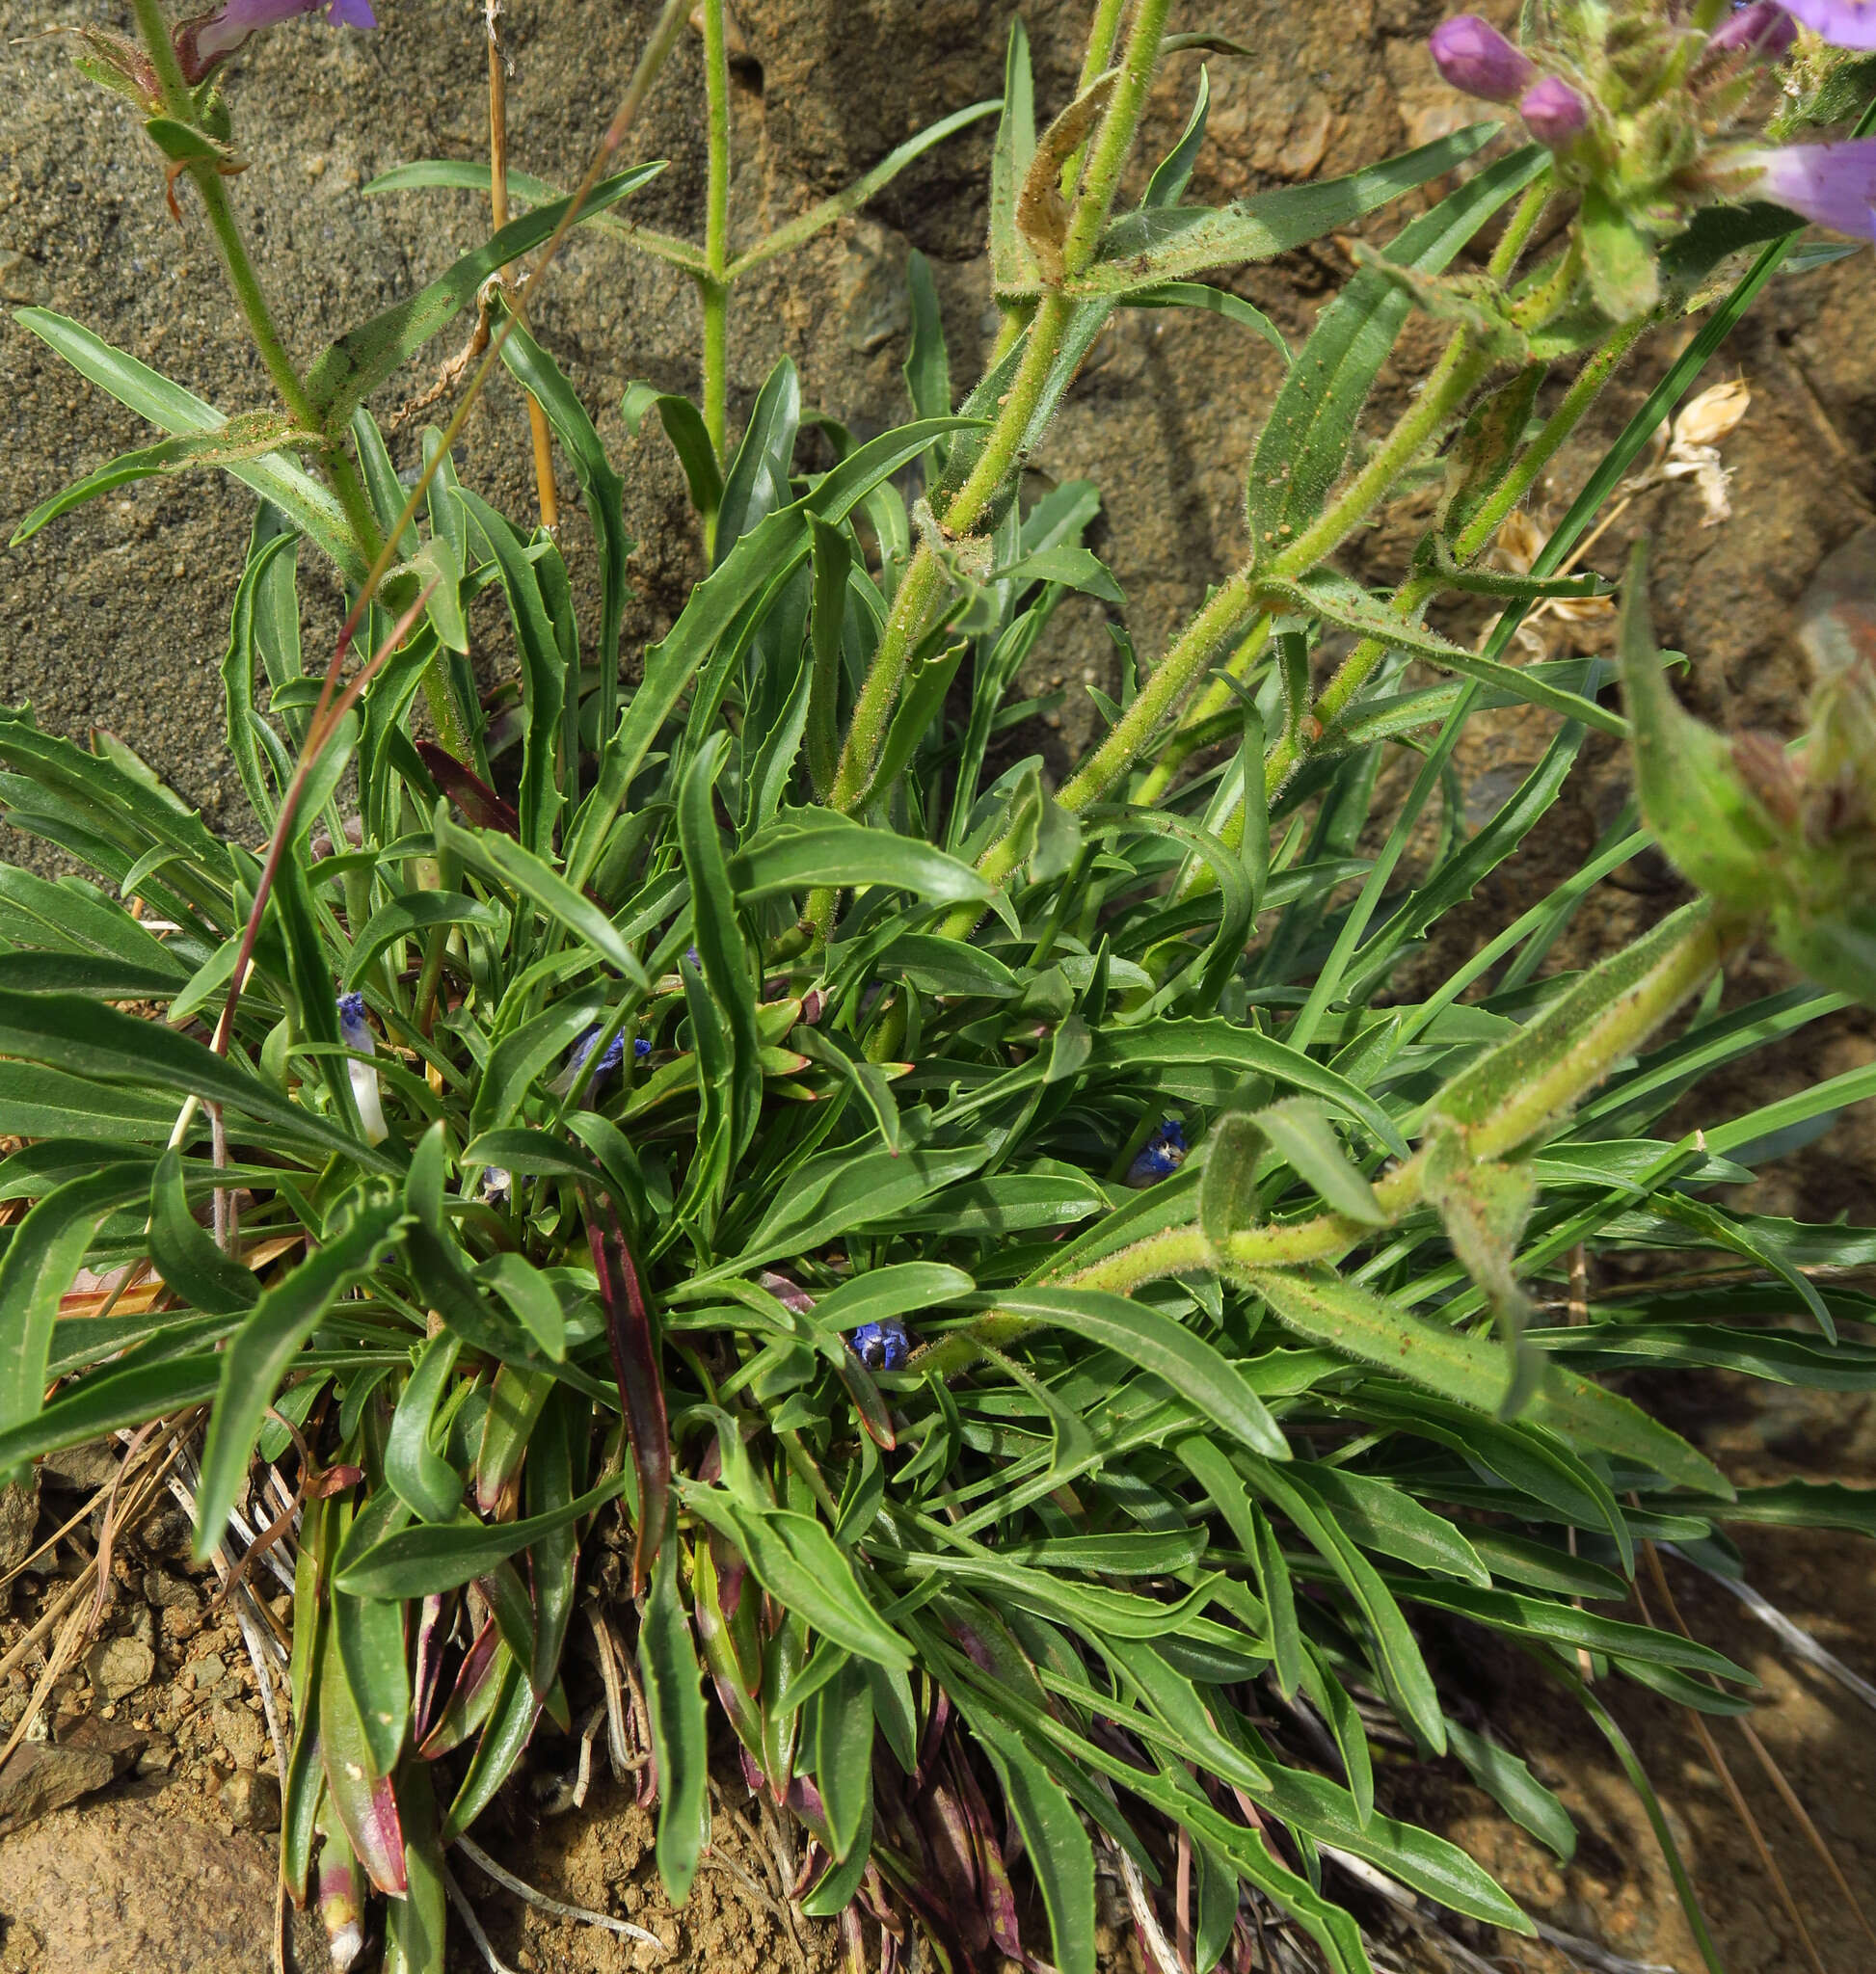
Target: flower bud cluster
x=1640 y=100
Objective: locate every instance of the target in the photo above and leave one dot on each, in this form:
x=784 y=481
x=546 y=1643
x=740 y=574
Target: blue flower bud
x=881 y=1345
x=1160 y=1156
x=356 y=1034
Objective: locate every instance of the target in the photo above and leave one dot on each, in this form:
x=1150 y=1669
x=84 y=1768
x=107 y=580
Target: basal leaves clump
x=1013 y=1321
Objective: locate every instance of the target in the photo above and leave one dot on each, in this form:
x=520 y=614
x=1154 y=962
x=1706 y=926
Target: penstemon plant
x=1052 y=1317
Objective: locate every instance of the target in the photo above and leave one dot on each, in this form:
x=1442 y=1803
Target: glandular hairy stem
x=1523 y=1088
x=922 y=587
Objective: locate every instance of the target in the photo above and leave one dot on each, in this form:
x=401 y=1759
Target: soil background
x=115 y=617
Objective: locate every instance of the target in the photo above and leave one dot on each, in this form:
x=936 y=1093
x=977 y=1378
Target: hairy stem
x=1460 y=369
x=1555 y=1080
x=919 y=590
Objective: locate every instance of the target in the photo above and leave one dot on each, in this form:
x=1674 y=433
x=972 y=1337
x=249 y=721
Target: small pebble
x=120 y=1666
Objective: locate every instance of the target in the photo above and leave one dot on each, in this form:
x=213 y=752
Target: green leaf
x=757 y=481
x=1181 y=1055
x=429 y=1559
x=809 y=847
x=1311 y=424
x=369 y=1635
x=300 y=497
x=1339 y=602
x=188 y=1260
x=1198 y=1371
x=1053 y=1838
x=534 y=880
x=249 y=436
x=1073 y=567
x=37 y=1266
x=1010 y=158
x=602 y=493
x=882 y=1294
x=352 y=368
x=419 y=1474
x=844 y=1755
x=796 y=1561
x=1618 y=258
x=91 y=1041
x=719 y=938
x=262 y=1350
x=667 y=1664
x=1215 y=302
x=1167 y=243
x=690 y=440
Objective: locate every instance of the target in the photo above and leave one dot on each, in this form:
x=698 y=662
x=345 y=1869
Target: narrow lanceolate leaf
x=168 y=406
x=263 y=1349
x=667 y=1664
x=1055 y=1838
x=184 y=1255
x=806 y=848
x=360 y=1790
x=1582 y=1412
x=352 y=368
x=641 y=1385
x=428 y=1558
x=1169 y=243
x=114 y=1047
x=37 y=1268
x=250 y=435
x=1198 y=1371
x=1323 y=1306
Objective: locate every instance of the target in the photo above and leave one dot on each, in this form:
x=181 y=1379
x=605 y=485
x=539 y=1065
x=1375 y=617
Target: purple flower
x=880 y=1346
x=1473 y=55
x=641 y=1049
x=210 y=38
x=1833 y=184
x=1762 y=29
x=1160 y=1156
x=1843 y=23
x=1553 y=112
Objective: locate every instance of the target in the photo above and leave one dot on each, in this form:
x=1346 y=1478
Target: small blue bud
x=881 y=1345
x=1160 y=1156
x=641 y=1049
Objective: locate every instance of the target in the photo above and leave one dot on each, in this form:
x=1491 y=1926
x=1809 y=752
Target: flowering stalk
x=1613 y=1012
x=921 y=586
x=178 y=103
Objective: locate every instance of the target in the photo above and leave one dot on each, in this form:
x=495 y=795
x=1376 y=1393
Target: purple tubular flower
x=1160 y=1156
x=1833 y=184
x=1843 y=23
x=200 y=43
x=1473 y=55
x=1761 y=29
x=880 y=1346
x=1553 y=112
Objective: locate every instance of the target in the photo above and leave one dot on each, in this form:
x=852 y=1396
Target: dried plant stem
x=714 y=287
x=537 y=418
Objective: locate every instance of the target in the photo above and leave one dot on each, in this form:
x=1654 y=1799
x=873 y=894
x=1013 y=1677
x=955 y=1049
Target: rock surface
x=127 y=1887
